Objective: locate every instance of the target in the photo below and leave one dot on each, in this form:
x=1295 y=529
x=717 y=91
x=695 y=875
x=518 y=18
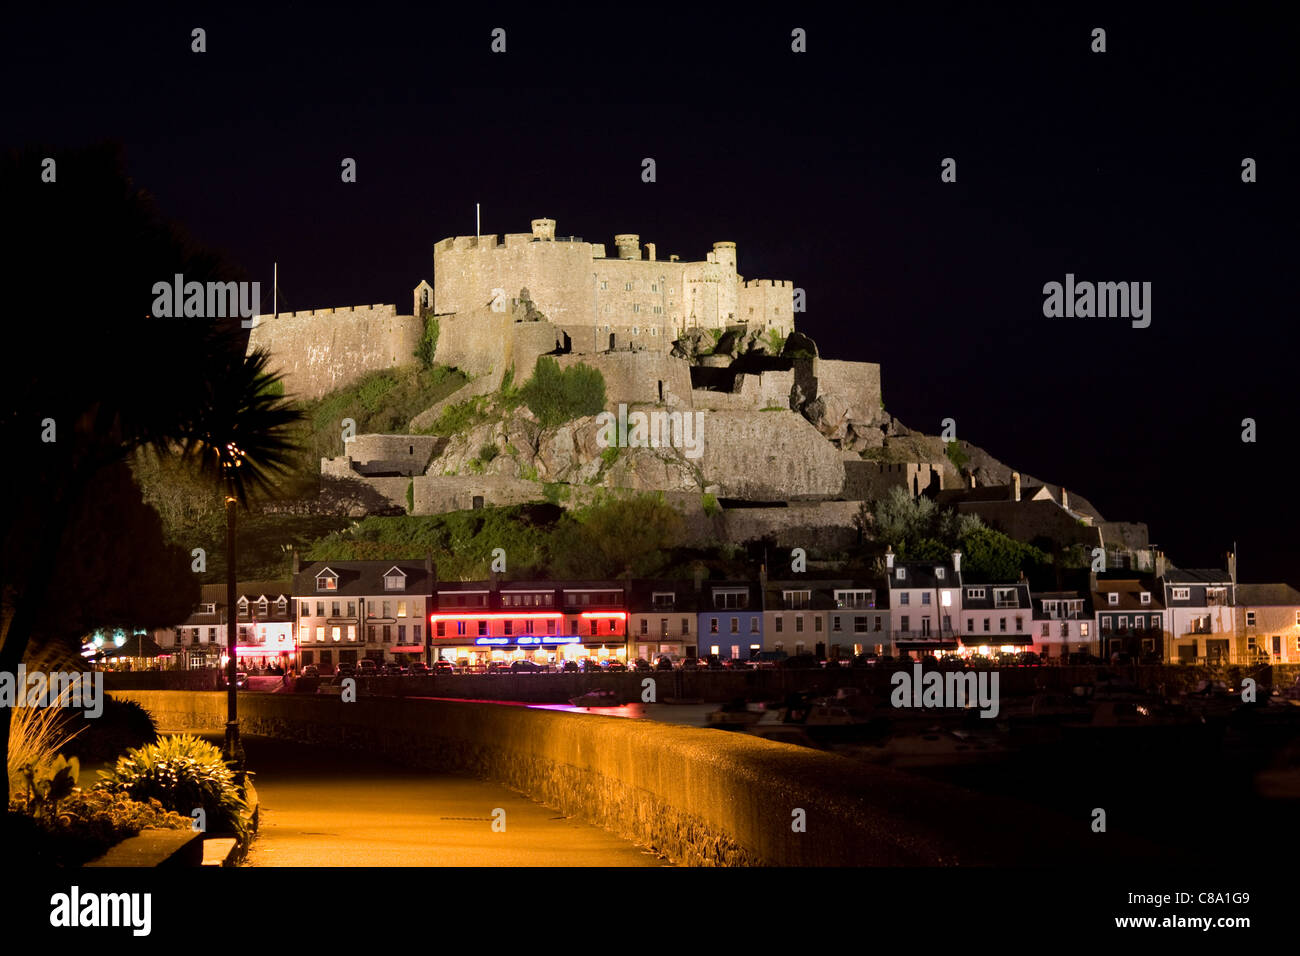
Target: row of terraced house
x=346 y=611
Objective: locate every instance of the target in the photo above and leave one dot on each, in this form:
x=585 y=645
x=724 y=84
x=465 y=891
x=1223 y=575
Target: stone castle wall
x=767 y=303
x=637 y=377
x=850 y=389
x=819 y=526
x=866 y=480
x=481 y=341
x=772 y=456
x=325 y=349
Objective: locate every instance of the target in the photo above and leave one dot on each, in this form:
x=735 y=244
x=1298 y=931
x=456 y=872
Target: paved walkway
x=322 y=807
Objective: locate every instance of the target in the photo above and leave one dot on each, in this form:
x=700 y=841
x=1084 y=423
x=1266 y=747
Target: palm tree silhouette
x=241 y=440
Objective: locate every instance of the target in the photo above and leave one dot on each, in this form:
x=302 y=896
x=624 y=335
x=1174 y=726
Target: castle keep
x=632 y=298
x=502 y=301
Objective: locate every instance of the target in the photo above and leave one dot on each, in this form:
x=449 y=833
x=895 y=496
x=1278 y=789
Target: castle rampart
x=324 y=349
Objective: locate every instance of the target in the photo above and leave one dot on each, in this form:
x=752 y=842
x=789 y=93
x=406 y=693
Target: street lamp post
x=231 y=460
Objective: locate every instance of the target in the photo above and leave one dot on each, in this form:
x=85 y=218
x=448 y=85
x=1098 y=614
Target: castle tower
x=628 y=245
x=544 y=229
x=724 y=254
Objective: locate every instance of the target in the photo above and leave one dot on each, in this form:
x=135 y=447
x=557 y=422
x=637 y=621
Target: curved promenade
x=700 y=797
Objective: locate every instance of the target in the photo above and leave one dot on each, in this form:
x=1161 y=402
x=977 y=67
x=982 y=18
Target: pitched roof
x=1130 y=595
x=362 y=578
x=1268 y=595
x=1197 y=576
x=919 y=574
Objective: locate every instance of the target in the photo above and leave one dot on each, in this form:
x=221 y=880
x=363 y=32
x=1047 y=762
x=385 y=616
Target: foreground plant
x=36 y=735
x=183 y=773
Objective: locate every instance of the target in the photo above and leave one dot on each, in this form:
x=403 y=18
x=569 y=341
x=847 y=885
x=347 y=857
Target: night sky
x=824 y=168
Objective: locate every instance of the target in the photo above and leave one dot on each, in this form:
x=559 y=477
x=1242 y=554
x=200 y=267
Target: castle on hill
x=801 y=440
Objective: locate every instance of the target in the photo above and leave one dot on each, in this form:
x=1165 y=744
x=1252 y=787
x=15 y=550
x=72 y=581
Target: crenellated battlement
x=769 y=284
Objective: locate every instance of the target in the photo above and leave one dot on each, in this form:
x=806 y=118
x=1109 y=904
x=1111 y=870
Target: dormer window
x=1112 y=599
x=1146 y=597
x=261 y=606
x=394 y=579
x=900 y=574
x=938 y=573
x=242 y=604
x=327 y=580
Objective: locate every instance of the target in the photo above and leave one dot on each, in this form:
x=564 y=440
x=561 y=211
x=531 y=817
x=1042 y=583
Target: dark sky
x=824 y=168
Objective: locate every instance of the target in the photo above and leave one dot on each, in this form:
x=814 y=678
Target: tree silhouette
x=89 y=376
x=241 y=441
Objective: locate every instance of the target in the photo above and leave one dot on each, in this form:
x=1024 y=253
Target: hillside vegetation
x=601 y=540
x=381 y=403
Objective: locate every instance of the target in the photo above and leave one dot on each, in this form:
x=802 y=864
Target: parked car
x=614 y=664
x=568 y=667
x=525 y=667
x=443 y=667
x=346 y=669
x=664 y=663
x=588 y=665
x=394 y=669
x=310 y=670
x=864 y=660
x=690 y=663
x=368 y=666
x=241 y=680
x=419 y=669
x=735 y=664
x=800 y=662
x=640 y=664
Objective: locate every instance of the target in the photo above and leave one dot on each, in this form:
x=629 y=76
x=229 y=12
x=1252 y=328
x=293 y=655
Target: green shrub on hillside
x=428 y=346
x=558 y=395
x=461 y=416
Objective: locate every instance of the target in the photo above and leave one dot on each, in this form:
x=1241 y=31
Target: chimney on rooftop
x=650 y=251
x=699 y=576
x=297 y=564
x=889 y=557
x=956 y=561
x=1015 y=486
x=971 y=477
x=1162 y=563
x=1065 y=500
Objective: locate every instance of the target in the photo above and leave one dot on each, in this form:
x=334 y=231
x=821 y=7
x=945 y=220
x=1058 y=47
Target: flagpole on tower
x=476 y=221
x=275 y=291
